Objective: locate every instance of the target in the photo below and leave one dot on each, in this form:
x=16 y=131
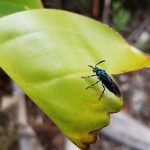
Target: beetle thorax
x=99 y=72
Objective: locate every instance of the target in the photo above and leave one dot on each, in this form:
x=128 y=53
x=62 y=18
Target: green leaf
x=11 y=6
x=47 y=51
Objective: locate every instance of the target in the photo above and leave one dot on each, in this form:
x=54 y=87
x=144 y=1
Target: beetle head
x=95 y=69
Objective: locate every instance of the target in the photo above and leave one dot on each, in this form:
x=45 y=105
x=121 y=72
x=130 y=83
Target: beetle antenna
x=99 y=62
x=91 y=66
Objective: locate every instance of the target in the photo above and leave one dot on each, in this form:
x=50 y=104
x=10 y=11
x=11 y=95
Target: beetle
x=105 y=80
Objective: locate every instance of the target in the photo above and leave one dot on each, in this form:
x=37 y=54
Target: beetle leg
x=102 y=91
x=92 y=85
x=89 y=76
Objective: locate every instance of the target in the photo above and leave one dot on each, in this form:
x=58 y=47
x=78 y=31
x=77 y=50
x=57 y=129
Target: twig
x=106 y=11
x=27 y=137
x=125 y=129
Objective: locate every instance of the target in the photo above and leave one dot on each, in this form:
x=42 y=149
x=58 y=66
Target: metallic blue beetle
x=105 y=80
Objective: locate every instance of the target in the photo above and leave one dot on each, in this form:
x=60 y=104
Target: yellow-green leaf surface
x=47 y=51
x=11 y=6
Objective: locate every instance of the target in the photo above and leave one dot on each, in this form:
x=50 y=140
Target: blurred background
x=130 y=129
